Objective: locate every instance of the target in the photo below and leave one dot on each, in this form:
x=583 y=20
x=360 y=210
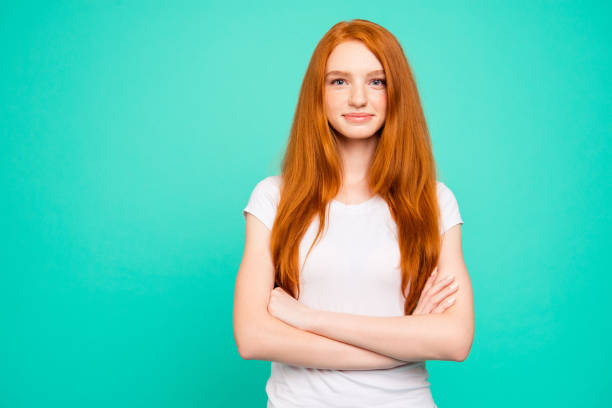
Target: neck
x=356 y=156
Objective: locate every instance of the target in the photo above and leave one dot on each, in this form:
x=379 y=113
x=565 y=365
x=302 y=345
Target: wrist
x=311 y=320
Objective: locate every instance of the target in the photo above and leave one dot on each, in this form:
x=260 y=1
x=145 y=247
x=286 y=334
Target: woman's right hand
x=435 y=295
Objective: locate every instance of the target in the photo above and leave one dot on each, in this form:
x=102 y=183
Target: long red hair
x=402 y=171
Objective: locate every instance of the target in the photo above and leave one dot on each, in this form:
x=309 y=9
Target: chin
x=357 y=132
x=360 y=135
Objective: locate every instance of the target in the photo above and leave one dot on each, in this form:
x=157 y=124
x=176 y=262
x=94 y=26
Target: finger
x=444 y=305
x=429 y=301
x=430 y=280
x=426 y=289
x=441 y=284
x=419 y=309
x=425 y=292
x=446 y=292
x=424 y=307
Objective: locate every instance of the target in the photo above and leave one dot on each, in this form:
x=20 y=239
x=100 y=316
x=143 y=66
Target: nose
x=357 y=97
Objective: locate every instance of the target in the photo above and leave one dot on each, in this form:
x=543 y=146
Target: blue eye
x=382 y=81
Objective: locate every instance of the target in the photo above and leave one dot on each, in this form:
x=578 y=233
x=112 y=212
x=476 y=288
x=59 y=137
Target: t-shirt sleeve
x=449 y=209
x=264 y=201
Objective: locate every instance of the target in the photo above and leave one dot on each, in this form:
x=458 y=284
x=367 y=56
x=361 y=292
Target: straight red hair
x=402 y=171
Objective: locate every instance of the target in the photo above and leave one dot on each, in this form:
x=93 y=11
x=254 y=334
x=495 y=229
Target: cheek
x=381 y=102
x=332 y=102
x=333 y=108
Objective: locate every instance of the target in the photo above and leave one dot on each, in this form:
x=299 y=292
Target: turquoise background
x=132 y=134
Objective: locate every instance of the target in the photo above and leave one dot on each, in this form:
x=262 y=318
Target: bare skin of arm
x=444 y=336
x=261 y=336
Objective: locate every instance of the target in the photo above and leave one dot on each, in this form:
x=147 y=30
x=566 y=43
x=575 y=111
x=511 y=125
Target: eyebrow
x=378 y=72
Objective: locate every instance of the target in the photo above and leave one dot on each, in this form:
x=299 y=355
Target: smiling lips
x=357 y=117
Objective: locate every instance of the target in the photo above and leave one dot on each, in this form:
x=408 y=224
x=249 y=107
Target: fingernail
x=451 y=300
x=454 y=285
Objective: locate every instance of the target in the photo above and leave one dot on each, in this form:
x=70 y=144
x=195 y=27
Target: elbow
x=243 y=349
x=250 y=339
x=460 y=354
x=244 y=340
x=458 y=341
x=246 y=346
x=246 y=333
x=462 y=344
x=245 y=354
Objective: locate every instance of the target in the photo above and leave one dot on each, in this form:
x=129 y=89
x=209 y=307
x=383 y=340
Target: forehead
x=352 y=56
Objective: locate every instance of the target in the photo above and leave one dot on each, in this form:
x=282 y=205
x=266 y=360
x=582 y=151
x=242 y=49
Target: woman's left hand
x=284 y=307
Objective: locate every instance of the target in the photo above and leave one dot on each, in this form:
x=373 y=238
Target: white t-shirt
x=353 y=269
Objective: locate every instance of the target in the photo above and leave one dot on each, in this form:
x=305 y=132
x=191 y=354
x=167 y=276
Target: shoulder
x=445 y=194
x=449 y=208
x=269 y=186
x=264 y=200
x=274 y=181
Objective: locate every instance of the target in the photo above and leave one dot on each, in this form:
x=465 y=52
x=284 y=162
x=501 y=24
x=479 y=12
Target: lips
x=357 y=115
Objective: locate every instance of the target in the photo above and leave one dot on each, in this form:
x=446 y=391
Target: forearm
x=406 y=338
x=274 y=340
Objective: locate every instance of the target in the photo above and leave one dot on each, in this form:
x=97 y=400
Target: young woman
x=353 y=274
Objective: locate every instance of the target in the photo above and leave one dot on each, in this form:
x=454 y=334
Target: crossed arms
x=342 y=341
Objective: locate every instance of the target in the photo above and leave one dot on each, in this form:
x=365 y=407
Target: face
x=355 y=93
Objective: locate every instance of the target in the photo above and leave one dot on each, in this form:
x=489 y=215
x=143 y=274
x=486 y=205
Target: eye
x=382 y=81
x=333 y=81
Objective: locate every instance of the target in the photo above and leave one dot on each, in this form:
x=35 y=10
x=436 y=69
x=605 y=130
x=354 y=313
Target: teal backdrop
x=132 y=134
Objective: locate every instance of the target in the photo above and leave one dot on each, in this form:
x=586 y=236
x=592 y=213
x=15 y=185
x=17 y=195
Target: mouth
x=358 y=114
x=358 y=117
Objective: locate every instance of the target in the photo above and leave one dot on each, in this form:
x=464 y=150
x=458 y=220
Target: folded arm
x=443 y=336
x=261 y=336
x=271 y=339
